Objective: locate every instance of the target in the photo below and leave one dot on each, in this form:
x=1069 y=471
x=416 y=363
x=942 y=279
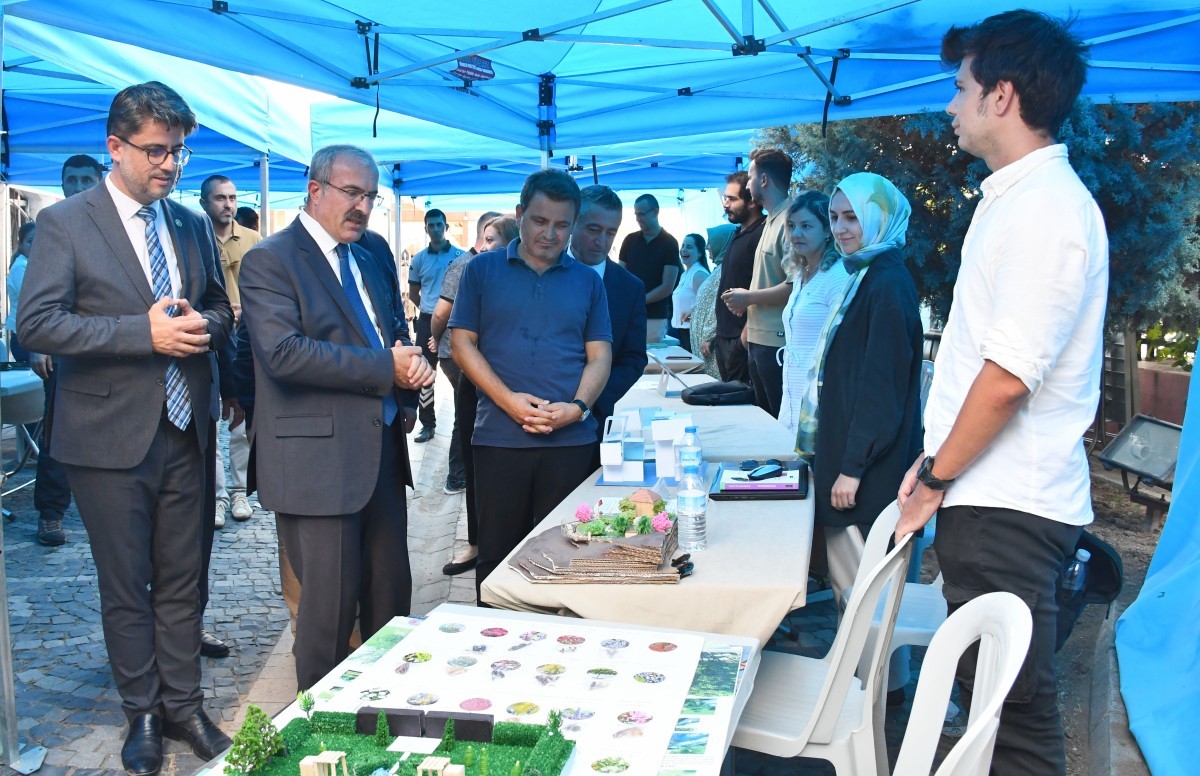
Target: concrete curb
x=1114 y=752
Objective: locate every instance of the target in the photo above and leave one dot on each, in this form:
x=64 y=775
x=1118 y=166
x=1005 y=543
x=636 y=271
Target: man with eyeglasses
x=736 y=272
x=335 y=386
x=124 y=290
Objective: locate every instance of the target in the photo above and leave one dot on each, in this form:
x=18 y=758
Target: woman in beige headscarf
x=704 y=313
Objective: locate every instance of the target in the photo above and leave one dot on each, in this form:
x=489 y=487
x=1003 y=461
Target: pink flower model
x=661 y=522
x=583 y=513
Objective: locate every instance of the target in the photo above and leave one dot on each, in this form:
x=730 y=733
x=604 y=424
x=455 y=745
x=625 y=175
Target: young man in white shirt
x=1018 y=373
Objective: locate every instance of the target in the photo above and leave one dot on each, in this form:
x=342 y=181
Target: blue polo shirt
x=532 y=329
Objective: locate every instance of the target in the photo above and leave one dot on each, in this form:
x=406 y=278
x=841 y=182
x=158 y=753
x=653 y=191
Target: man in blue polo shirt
x=530 y=329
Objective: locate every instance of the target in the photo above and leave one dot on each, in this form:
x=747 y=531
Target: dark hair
x=647 y=198
x=555 y=184
x=152 y=101
x=598 y=196
x=483 y=219
x=507 y=226
x=775 y=164
x=432 y=213
x=1036 y=53
x=246 y=216
x=80 y=161
x=209 y=182
x=816 y=203
x=741 y=178
x=700 y=246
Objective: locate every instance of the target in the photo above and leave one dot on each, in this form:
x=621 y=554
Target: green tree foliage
x=383 y=736
x=1141 y=163
x=254 y=743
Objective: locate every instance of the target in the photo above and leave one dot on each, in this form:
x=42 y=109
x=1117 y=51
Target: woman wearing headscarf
x=704 y=313
x=859 y=423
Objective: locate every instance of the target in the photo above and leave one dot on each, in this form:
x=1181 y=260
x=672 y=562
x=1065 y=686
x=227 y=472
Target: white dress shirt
x=135 y=227
x=1030 y=297
x=328 y=246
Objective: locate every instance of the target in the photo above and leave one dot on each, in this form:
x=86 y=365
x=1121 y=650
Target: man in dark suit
x=125 y=290
x=592 y=238
x=330 y=348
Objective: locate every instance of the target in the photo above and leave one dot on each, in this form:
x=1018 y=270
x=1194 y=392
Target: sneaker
x=454 y=485
x=241 y=507
x=50 y=531
x=219 y=517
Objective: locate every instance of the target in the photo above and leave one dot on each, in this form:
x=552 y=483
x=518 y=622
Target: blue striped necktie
x=364 y=321
x=179 y=402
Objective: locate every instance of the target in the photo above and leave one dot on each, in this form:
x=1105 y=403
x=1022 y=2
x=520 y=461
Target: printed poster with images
x=620 y=691
x=702 y=728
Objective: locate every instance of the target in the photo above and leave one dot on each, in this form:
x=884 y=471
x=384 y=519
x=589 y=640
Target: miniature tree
x=554 y=722
x=447 y=744
x=483 y=763
x=254 y=743
x=383 y=735
x=516 y=769
x=307 y=703
x=469 y=756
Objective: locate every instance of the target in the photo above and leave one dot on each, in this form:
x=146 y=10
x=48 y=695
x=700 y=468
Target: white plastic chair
x=923 y=542
x=824 y=708
x=1002 y=625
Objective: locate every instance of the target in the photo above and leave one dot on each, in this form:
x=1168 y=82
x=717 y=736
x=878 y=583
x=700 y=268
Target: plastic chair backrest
x=853 y=645
x=926 y=381
x=1002 y=625
x=876 y=544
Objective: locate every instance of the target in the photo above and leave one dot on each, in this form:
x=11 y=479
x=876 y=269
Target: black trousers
x=208 y=528
x=685 y=338
x=767 y=376
x=517 y=487
x=350 y=562
x=466 y=406
x=984 y=550
x=457 y=466
x=145 y=528
x=51 y=493
x=732 y=360
x=423 y=328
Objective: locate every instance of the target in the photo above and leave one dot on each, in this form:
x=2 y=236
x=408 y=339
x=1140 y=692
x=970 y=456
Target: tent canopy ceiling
x=577 y=73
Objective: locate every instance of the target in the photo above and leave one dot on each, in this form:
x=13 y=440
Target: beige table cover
x=754 y=572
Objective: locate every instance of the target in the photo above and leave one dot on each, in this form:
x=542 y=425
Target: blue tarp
x=1158 y=635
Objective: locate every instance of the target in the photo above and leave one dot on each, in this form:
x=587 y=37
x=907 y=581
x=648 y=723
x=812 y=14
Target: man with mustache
x=123 y=289
x=530 y=329
x=737 y=272
x=332 y=366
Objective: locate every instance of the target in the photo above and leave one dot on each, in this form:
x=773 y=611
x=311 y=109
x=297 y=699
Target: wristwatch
x=925 y=475
x=587 y=411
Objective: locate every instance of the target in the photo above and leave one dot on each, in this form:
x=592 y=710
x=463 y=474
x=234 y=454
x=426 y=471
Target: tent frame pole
x=264 y=193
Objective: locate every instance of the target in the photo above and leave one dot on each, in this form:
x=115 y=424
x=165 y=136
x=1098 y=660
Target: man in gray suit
x=331 y=348
x=124 y=290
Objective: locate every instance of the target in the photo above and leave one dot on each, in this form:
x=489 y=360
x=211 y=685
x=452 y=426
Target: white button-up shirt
x=135 y=227
x=328 y=245
x=1030 y=297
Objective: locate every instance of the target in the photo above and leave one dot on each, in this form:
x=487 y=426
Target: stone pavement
x=65 y=696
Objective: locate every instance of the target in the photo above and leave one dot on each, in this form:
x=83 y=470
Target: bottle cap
x=690 y=430
x=1083 y=556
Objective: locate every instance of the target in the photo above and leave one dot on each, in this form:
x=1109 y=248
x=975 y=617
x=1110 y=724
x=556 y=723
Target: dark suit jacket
x=318 y=383
x=627 y=311
x=85 y=301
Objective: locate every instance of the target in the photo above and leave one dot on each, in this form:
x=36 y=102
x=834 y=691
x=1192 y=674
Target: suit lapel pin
x=179 y=223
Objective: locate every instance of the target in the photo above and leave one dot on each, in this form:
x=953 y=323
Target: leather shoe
x=454 y=569
x=424 y=435
x=204 y=737
x=142 y=754
x=211 y=646
x=50 y=531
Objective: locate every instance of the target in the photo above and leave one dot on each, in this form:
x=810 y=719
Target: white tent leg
x=264 y=193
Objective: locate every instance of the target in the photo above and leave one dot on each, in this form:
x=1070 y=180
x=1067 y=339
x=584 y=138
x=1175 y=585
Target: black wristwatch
x=587 y=411
x=925 y=475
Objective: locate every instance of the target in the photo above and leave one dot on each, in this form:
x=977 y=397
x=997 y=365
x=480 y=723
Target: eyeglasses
x=751 y=465
x=357 y=195
x=158 y=154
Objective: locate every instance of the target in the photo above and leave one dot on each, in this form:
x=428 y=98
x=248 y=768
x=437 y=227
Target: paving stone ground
x=65 y=695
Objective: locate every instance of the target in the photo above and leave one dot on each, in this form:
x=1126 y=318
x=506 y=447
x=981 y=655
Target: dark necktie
x=179 y=402
x=364 y=321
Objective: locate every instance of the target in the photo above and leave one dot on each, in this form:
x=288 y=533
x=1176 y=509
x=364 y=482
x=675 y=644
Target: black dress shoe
x=424 y=435
x=454 y=569
x=142 y=754
x=204 y=737
x=211 y=646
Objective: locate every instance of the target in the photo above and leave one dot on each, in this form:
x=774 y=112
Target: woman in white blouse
x=683 y=298
x=818 y=280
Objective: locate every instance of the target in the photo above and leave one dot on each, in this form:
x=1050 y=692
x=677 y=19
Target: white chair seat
x=922 y=612
x=786 y=690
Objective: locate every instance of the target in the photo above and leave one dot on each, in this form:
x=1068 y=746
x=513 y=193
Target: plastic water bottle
x=691 y=504
x=1074 y=578
x=688 y=451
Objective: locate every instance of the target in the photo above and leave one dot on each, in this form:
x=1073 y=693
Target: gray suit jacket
x=85 y=301
x=318 y=383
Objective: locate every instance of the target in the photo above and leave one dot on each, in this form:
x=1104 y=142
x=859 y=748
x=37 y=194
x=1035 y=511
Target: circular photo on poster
x=475 y=704
x=614 y=643
x=418 y=657
x=463 y=661
x=634 y=717
x=611 y=765
x=649 y=677
x=505 y=665
x=552 y=669
x=571 y=641
x=422 y=699
x=452 y=627
x=601 y=673
x=577 y=713
x=532 y=636
x=523 y=709
x=374 y=694
x=493 y=633
x=662 y=646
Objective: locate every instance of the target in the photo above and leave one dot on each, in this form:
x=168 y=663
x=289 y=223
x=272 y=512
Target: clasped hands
x=541 y=416
x=181 y=335
x=410 y=369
